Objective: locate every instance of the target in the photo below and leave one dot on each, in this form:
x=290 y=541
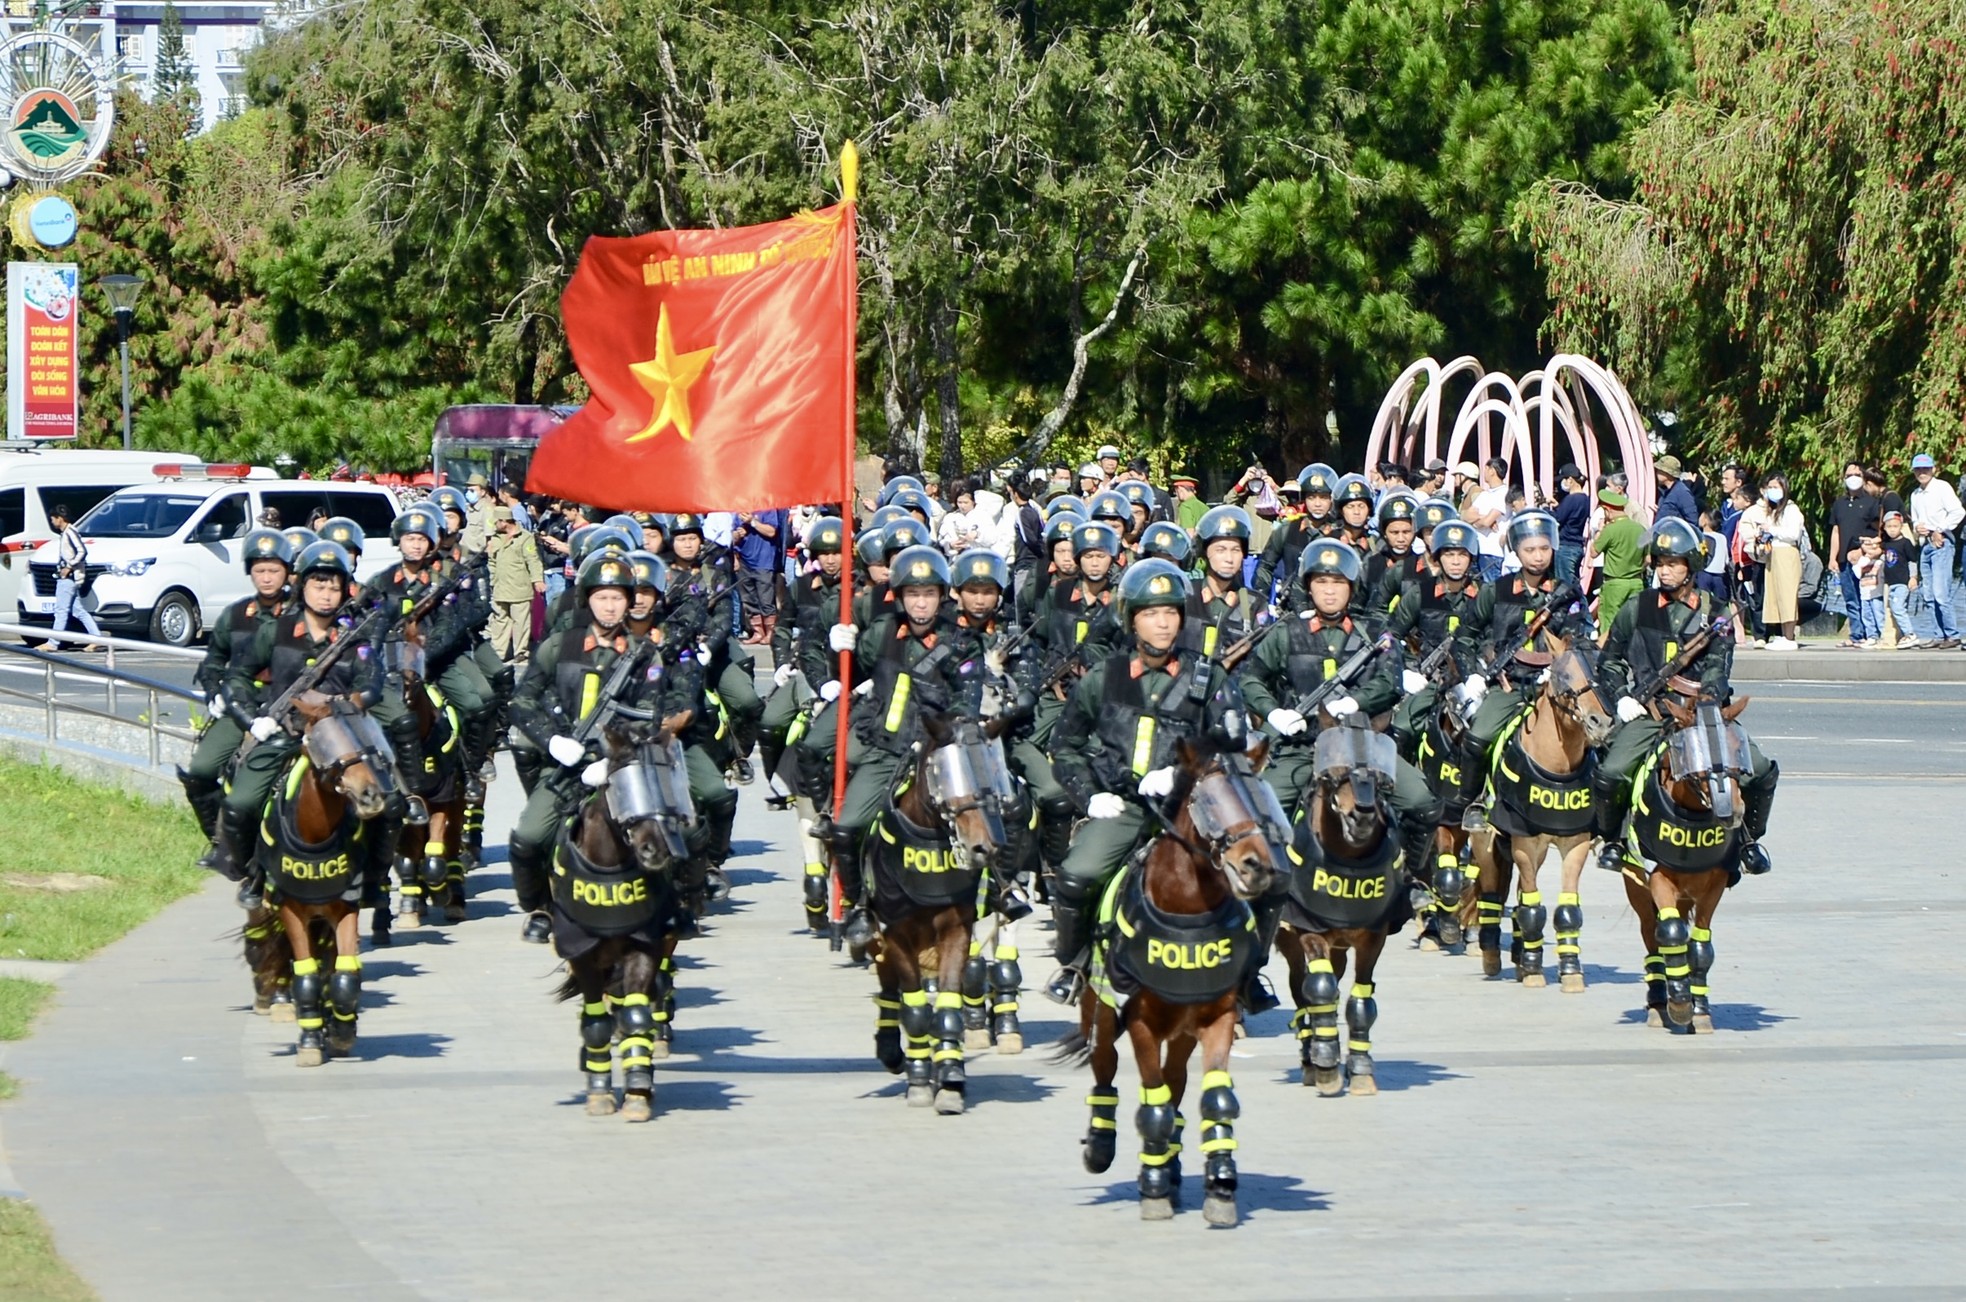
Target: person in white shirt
x=1488 y=512
x=1935 y=513
x=71 y=566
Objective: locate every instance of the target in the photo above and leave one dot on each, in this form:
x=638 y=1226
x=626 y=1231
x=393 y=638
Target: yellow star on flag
x=668 y=376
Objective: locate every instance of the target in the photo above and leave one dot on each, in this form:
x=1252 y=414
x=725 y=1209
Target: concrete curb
x=1833 y=664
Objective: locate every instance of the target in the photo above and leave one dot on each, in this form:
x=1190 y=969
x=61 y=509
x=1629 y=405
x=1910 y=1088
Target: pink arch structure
x=1517 y=420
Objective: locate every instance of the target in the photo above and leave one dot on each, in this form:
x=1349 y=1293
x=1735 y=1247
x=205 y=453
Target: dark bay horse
x=928 y=861
x=313 y=853
x=429 y=858
x=615 y=907
x=1348 y=893
x=1166 y=970
x=1540 y=773
x=1686 y=821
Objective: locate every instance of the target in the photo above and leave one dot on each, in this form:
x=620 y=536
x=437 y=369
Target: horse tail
x=569 y=987
x=268 y=952
x=1073 y=1049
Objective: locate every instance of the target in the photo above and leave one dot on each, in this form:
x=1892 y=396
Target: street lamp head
x=122 y=291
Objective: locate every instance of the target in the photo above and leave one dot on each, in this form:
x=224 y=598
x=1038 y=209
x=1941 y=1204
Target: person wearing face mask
x=1854 y=516
x=478 y=524
x=1773 y=529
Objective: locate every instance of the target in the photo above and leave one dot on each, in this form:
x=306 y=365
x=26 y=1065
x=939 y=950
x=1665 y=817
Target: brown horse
x=1348 y=892
x=1686 y=819
x=1540 y=772
x=615 y=907
x=1181 y=937
x=312 y=851
x=429 y=857
x=926 y=861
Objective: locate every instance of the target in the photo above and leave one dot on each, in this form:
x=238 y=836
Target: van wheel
x=175 y=621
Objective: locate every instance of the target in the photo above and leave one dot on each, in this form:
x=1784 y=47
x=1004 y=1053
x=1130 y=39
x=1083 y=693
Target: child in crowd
x=1900 y=575
x=1868 y=627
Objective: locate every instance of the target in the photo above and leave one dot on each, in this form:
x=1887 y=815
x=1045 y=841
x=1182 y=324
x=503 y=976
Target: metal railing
x=118 y=687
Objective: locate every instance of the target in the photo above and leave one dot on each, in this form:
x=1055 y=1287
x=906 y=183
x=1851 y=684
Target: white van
x=164 y=555
x=34 y=480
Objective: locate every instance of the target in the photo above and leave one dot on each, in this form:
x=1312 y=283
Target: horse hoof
x=600 y=1103
x=262 y=1005
x=1010 y=1042
x=283 y=1010
x=1330 y=1081
x=1156 y=1209
x=1703 y=1023
x=1573 y=983
x=409 y=920
x=455 y=913
x=1653 y=1019
x=976 y=1037
x=1491 y=962
x=659 y=1049
x=921 y=1096
x=1428 y=945
x=949 y=1102
x=1363 y=1087
x=342 y=1046
x=310 y=1055
x=1679 y=1014
x=637 y=1107
x=1450 y=937
x=1531 y=980
x=1218 y=1210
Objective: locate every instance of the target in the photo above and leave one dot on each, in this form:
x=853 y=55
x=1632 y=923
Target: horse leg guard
x=1488 y=934
x=976 y=990
x=634 y=1020
x=1361 y=1010
x=1699 y=958
x=1102 y=1132
x=1155 y=1122
x=344 y=1001
x=1569 y=953
x=1758 y=800
x=1006 y=978
x=918 y=1025
x=814 y=883
x=1674 y=936
x=1450 y=884
x=471 y=836
x=1320 y=1050
x=454 y=897
x=662 y=1006
x=313 y=1049
x=434 y=871
x=1219 y=1110
x=596 y=1059
x=951 y=1080
x=887 y=1033
x=1530 y=919
x=409 y=892
x=1655 y=990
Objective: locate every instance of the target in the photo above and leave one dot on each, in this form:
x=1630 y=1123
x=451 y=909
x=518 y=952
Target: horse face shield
x=971 y=774
x=1240 y=820
x=403 y=660
x=1715 y=749
x=348 y=740
x=649 y=798
x=1354 y=753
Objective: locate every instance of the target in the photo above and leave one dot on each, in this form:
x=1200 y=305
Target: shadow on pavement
x=715 y=1039
x=1596 y=975
x=693 y=1096
x=411 y=1044
x=1744 y=1018
x=1256 y=1192
x=1014 y=1087
x=382 y=969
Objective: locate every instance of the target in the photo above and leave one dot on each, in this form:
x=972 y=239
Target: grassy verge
x=81 y=864
x=30 y=1269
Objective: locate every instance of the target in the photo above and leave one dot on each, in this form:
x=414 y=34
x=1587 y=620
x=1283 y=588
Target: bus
x=495 y=440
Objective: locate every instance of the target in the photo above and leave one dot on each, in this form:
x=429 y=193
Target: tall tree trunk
x=948 y=398
x=522 y=387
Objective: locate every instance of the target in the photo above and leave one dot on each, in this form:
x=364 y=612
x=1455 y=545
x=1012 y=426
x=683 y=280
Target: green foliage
x=1792 y=278
x=174 y=81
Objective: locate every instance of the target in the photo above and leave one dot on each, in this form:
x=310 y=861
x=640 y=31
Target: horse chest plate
x=1537 y=803
x=602 y=901
x=311 y=874
x=1343 y=894
x=1181 y=959
x=1674 y=837
x=923 y=865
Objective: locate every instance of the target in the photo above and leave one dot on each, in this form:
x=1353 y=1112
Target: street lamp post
x=122 y=293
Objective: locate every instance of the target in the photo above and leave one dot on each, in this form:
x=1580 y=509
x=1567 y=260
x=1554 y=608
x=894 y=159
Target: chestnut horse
x=928 y=860
x=429 y=858
x=1686 y=820
x=314 y=853
x=615 y=907
x=1540 y=771
x=1193 y=883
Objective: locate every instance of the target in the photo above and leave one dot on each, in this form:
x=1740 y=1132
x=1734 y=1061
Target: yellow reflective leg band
x=1214 y=1079
x=347 y=963
x=948 y=999
x=1157 y=1095
x=306 y=966
x=434 y=848
x=897 y=708
x=1143 y=745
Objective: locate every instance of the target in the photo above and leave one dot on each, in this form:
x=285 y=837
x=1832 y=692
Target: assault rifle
x=354 y=635
x=1562 y=597
x=625 y=666
x=1441 y=657
x=1681 y=662
x=1347 y=676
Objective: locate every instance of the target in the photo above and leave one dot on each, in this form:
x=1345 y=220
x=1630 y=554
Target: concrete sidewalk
x=1526 y=1143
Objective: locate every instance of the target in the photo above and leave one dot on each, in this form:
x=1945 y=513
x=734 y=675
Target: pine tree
x=176 y=79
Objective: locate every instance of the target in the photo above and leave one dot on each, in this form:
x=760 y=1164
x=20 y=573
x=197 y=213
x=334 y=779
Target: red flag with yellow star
x=721 y=367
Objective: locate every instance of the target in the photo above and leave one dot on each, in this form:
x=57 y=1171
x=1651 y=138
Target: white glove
x=565 y=750
x=216 y=706
x=1411 y=681
x=264 y=728
x=1629 y=709
x=595 y=774
x=866 y=688
x=782 y=675
x=843 y=637
x=1287 y=722
x=1340 y=706
x=831 y=691
x=1157 y=784
x=1476 y=685
x=1105 y=805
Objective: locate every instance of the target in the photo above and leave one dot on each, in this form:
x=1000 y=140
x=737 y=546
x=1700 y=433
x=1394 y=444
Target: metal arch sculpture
x=1532 y=409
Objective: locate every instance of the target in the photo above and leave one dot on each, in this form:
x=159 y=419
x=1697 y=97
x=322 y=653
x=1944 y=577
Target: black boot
x=1068 y=982
x=1608 y=821
x=1474 y=775
x=235 y=856
x=857 y=929
x=529 y=883
x=1760 y=799
x=1256 y=995
x=206 y=797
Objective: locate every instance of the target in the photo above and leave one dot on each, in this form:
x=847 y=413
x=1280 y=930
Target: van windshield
x=139 y=515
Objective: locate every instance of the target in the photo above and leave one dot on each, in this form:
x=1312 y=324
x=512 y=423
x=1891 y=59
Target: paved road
x=1527 y=1143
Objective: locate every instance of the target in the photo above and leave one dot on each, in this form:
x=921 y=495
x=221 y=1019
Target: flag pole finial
x=849 y=173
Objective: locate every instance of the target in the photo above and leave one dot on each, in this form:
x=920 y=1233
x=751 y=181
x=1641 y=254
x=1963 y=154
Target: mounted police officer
x=1353 y=499
x=279 y=652
x=1438 y=607
x=911 y=658
x=1394 y=562
x=471 y=676
x=1503 y=613
x=707 y=573
x=1305 y=650
x=814 y=608
x=1225 y=615
x=269 y=562
x=561 y=690
x=1317 y=482
x=1645 y=637
x=1114 y=746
